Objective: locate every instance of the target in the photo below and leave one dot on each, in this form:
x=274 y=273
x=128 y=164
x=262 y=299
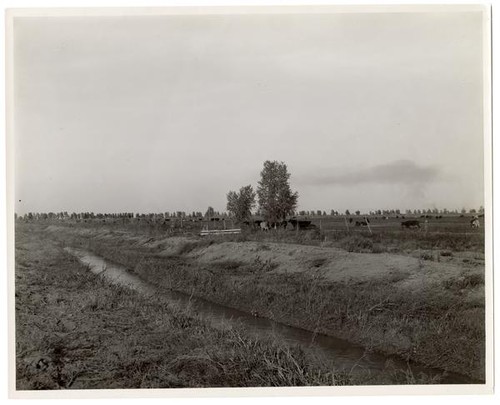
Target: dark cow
x=279 y=224
x=300 y=223
x=410 y=224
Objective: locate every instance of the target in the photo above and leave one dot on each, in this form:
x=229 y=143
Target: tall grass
x=75 y=331
x=434 y=324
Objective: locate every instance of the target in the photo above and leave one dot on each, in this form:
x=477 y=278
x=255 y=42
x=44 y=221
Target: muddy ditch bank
x=427 y=312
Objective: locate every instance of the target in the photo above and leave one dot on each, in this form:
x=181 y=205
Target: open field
x=75 y=331
x=424 y=304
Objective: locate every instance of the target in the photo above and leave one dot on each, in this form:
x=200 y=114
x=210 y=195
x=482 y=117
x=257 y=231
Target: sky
x=168 y=113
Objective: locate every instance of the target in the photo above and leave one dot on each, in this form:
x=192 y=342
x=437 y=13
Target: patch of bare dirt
x=335 y=264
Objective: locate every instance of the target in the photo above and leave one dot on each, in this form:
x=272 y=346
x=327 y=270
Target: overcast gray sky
x=164 y=113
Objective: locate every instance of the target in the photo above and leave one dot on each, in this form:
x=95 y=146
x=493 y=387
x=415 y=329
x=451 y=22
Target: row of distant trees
x=210 y=213
x=393 y=212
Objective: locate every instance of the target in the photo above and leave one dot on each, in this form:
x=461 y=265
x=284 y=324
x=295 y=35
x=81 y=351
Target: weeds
x=89 y=334
x=431 y=324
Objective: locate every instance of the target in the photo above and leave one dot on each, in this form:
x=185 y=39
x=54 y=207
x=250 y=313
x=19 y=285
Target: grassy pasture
x=430 y=310
x=451 y=232
x=75 y=331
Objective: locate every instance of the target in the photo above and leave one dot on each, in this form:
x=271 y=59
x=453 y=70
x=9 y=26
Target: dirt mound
x=333 y=263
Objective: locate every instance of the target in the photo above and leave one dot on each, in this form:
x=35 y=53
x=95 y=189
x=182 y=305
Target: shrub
x=357 y=243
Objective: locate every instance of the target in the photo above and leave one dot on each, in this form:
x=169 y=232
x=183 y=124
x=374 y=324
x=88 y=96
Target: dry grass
x=74 y=331
x=433 y=324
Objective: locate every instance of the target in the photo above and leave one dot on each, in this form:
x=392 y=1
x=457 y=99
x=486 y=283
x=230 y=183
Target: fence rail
x=219 y=232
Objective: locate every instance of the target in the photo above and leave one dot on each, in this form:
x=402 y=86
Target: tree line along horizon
x=274 y=199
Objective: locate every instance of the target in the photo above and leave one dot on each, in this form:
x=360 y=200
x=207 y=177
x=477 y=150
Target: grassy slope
x=75 y=331
x=435 y=324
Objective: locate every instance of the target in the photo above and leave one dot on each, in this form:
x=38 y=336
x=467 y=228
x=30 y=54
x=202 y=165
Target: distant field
x=377 y=223
x=447 y=223
x=451 y=232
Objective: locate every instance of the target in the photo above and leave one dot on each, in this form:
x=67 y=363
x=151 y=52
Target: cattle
x=475 y=223
x=264 y=226
x=411 y=224
x=301 y=223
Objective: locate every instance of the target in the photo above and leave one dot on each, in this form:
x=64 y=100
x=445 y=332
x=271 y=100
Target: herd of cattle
x=307 y=224
x=295 y=223
x=414 y=224
x=262 y=224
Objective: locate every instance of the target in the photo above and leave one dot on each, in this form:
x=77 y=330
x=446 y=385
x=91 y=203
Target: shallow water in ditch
x=344 y=355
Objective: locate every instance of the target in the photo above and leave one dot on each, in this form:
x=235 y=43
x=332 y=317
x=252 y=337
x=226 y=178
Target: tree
x=347 y=212
x=240 y=204
x=210 y=212
x=358 y=212
x=276 y=199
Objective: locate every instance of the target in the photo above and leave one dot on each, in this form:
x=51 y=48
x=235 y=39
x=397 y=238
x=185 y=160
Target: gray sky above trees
x=164 y=113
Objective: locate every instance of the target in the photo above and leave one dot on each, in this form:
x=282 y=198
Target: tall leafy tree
x=240 y=204
x=276 y=198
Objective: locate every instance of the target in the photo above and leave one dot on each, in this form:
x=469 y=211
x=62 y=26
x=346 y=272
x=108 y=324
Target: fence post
x=367 y=223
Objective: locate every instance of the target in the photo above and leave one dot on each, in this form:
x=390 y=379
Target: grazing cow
x=411 y=224
x=264 y=226
x=301 y=224
x=475 y=223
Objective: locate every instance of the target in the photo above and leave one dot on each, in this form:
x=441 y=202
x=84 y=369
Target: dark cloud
x=398 y=172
